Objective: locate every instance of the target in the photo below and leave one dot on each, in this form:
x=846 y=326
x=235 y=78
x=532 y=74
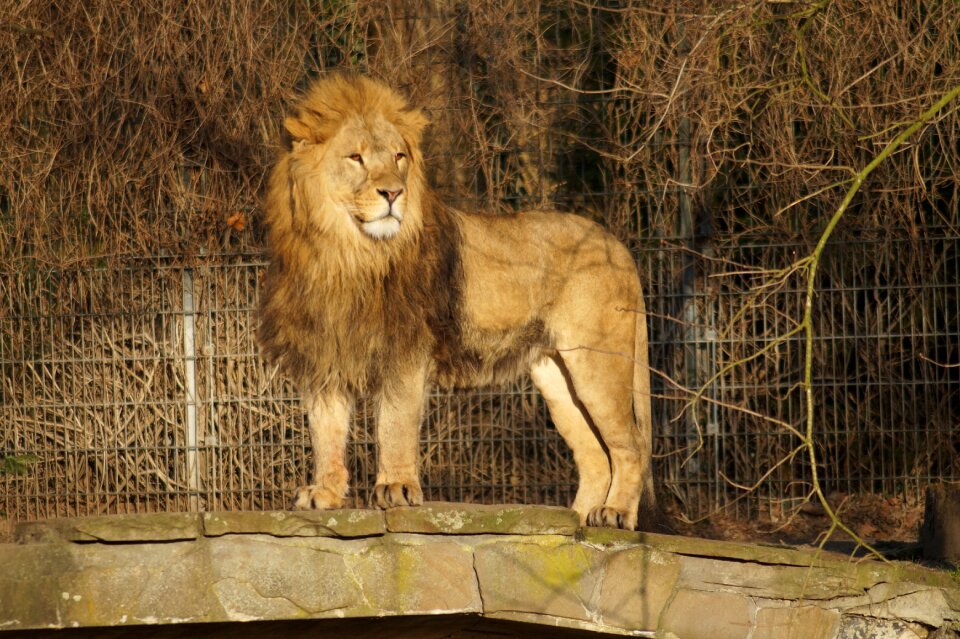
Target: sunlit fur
x=375 y=286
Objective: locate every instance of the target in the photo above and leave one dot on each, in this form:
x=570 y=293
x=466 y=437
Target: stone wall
x=530 y=564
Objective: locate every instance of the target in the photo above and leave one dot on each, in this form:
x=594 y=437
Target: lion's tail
x=642 y=407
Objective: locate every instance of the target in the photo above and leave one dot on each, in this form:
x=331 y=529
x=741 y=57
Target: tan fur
x=376 y=287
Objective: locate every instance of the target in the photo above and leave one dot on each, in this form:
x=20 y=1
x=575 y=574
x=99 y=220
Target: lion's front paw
x=611 y=518
x=397 y=494
x=316 y=498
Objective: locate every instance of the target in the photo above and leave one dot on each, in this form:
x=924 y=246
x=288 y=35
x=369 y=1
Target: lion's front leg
x=328 y=415
x=398 y=441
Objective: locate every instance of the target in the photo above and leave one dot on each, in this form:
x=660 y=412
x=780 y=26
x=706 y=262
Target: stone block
x=796 y=622
x=637 y=585
x=138 y=584
x=940 y=531
x=31 y=584
x=113 y=528
x=776 y=582
x=854 y=627
x=474 y=519
x=543 y=578
x=65 y=585
x=261 y=577
x=907 y=602
x=409 y=579
x=695 y=614
x=347 y=523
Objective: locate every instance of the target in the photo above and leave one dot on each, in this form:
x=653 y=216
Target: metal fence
x=138 y=388
x=886 y=385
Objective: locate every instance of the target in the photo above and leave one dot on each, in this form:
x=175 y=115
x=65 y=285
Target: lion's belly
x=530 y=281
x=483 y=357
x=502 y=328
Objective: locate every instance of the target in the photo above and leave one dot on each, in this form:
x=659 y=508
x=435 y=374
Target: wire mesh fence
x=886 y=393
x=138 y=388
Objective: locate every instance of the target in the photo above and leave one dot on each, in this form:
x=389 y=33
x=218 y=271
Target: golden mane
x=339 y=312
x=332 y=100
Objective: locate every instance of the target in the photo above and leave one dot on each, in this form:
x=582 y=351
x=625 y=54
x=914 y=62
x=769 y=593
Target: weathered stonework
x=262 y=577
x=346 y=523
x=796 y=622
x=502 y=562
x=472 y=519
x=637 y=585
x=551 y=577
x=410 y=576
x=128 y=528
x=703 y=614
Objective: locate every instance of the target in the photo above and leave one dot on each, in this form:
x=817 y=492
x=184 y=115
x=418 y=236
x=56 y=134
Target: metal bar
x=190 y=389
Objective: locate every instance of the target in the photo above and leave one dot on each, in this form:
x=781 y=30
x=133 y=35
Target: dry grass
x=132 y=130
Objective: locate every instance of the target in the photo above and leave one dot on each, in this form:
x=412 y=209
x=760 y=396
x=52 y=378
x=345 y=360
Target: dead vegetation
x=715 y=138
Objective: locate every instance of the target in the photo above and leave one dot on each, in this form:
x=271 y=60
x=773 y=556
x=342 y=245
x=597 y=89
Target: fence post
x=699 y=333
x=190 y=386
x=688 y=292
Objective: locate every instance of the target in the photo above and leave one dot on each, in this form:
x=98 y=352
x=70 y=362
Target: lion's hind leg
x=603 y=383
x=572 y=422
x=328 y=416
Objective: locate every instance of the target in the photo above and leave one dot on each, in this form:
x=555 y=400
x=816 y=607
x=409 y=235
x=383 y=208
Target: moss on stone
x=472 y=519
x=557 y=579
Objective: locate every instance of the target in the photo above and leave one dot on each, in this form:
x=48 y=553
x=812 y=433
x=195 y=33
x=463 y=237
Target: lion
x=375 y=286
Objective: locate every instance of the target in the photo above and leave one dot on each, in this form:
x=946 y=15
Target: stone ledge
x=693 y=546
x=440 y=518
x=346 y=523
x=112 y=528
x=471 y=519
x=223 y=567
x=859 y=571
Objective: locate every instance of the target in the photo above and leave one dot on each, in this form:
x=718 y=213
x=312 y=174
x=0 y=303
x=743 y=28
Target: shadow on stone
x=423 y=627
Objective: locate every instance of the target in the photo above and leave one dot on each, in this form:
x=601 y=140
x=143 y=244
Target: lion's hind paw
x=611 y=518
x=397 y=494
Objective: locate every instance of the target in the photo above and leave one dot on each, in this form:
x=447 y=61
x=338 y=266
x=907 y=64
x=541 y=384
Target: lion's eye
x=400 y=156
x=356 y=157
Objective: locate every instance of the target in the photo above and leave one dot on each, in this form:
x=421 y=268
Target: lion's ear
x=411 y=124
x=298 y=129
x=414 y=121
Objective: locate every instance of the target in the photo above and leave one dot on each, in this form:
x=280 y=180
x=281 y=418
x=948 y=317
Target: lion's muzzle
x=383 y=227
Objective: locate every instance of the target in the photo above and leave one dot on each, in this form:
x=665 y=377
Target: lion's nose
x=390 y=196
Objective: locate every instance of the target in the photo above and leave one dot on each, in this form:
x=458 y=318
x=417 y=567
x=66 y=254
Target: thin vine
x=812 y=263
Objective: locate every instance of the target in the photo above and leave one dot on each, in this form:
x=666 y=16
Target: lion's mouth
x=362 y=221
x=381 y=228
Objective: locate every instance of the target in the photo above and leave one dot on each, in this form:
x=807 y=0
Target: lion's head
x=353 y=236
x=354 y=159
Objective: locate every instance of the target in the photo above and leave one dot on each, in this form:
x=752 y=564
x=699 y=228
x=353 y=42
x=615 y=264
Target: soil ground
x=891 y=524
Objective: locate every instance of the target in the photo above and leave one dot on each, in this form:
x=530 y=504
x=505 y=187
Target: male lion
x=375 y=286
